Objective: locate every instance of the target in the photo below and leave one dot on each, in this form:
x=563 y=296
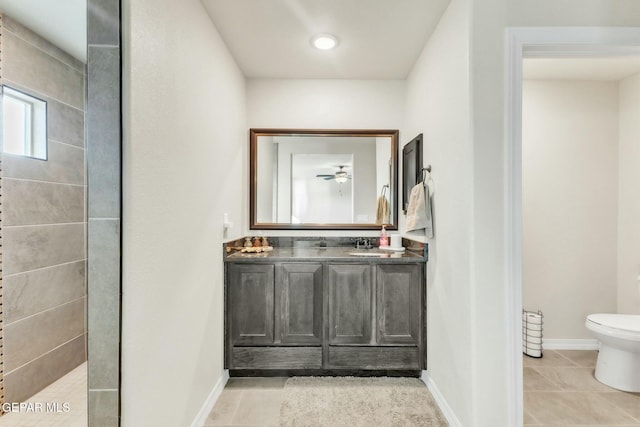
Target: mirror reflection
x=323 y=179
x=321 y=189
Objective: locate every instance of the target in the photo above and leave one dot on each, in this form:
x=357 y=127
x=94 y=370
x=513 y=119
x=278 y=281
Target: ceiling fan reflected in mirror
x=340 y=175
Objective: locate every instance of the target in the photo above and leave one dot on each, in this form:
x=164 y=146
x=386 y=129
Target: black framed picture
x=411 y=168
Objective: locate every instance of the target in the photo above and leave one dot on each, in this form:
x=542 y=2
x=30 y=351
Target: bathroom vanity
x=324 y=305
x=325 y=310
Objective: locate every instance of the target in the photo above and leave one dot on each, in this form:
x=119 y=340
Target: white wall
x=175 y=96
x=185 y=151
x=491 y=302
x=629 y=197
x=325 y=104
x=438 y=106
x=570 y=202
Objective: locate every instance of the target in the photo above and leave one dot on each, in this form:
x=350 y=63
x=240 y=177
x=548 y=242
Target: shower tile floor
x=560 y=390
x=71 y=388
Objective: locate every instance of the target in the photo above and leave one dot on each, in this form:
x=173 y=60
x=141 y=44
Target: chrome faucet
x=363 y=243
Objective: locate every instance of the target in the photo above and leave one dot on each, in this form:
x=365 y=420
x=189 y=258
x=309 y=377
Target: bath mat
x=355 y=402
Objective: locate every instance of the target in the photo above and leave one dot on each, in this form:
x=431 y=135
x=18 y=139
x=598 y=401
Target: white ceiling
x=378 y=39
x=608 y=69
x=62 y=22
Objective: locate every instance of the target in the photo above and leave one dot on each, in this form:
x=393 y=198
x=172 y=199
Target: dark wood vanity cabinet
x=324 y=316
x=398 y=303
x=350 y=318
x=271 y=304
x=274 y=316
x=375 y=316
x=299 y=303
x=251 y=303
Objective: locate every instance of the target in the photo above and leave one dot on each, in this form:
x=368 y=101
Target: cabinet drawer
x=374 y=357
x=276 y=358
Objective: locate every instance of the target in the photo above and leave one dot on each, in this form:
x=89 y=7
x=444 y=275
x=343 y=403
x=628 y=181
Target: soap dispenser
x=384 y=238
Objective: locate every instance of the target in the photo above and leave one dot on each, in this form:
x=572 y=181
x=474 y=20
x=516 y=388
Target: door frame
x=542 y=42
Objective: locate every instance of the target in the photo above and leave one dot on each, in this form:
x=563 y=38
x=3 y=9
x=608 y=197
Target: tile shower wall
x=44 y=221
x=103 y=163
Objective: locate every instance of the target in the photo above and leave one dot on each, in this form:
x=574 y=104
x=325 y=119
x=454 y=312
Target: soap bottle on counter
x=384 y=238
x=265 y=244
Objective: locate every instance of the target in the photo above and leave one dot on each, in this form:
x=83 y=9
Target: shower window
x=24 y=124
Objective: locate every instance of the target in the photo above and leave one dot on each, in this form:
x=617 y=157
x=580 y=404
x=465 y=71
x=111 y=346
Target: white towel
x=419 y=211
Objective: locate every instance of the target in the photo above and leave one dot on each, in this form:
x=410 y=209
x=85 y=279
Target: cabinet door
x=251 y=292
x=299 y=302
x=349 y=304
x=398 y=303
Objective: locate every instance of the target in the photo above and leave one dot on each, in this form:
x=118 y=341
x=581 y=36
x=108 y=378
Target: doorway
x=546 y=43
x=579 y=163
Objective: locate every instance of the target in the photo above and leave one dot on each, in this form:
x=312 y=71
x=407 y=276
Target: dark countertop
x=341 y=254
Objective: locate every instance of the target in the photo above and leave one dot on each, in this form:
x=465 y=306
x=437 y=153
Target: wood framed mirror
x=323 y=179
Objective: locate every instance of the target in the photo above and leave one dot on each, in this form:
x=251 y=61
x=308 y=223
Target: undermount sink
x=368 y=254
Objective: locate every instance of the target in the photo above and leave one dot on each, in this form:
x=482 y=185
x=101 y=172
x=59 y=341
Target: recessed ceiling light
x=324 y=41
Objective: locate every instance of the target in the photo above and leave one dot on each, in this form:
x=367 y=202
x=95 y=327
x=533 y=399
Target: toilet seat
x=625 y=326
x=618 y=335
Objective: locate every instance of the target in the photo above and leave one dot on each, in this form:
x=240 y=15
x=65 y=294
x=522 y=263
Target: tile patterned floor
x=248 y=402
x=71 y=388
x=253 y=402
x=560 y=390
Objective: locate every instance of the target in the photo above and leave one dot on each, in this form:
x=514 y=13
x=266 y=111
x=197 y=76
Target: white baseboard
x=211 y=400
x=440 y=400
x=563 y=344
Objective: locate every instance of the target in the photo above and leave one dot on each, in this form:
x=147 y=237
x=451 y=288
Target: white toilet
x=618 y=363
